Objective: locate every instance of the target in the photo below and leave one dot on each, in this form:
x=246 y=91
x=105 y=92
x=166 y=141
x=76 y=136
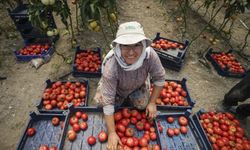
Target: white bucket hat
x=130 y=33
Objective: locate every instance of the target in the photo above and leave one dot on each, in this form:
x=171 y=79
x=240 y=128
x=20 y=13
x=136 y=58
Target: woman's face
x=131 y=53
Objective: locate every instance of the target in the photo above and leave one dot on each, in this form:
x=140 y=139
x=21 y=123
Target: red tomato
x=153 y=136
x=91 y=140
x=43 y=147
x=220 y=142
x=76 y=127
x=53 y=148
x=120 y=134
x=170 y=132
x=118 y=116
x=147 y=126
x=136 y=141
x=170 y=119
x=102 y=136
x=83 y=126
x=130 y=142
x=129 y=132
x=126 y=112
x=176 y=131
x=71 y=135
x=84 y=117
x=120 y=127
x=55 y=121
x=73 y=120
x=143 y=142
x=133 y=120
x=78 y=114
x=183 y=121
x=156 y=147
x=160 y=129
x=31 y=132
x=139 y=125
x=82 y=94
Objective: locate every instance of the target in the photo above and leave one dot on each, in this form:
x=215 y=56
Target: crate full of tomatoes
x=86 y=129
x=43 y=131
x=87 y=62
x=171 y=53
x=58 y=95
x=178 y=131
x=174 y=96
x=42 y=48
x=226 y=64
x=221 y=130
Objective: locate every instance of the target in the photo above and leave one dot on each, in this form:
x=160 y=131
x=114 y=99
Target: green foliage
x=38 y=13
x=91 y=10
x=236 y=6
x=233 y=7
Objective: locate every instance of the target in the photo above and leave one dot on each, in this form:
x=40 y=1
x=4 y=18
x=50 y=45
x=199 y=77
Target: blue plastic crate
x=46 y=54
x=46 y=133
x=219 y=70
x=192 y=140
x=188 y=98
x=77 y=73
x=56 y=110
x=96 y=123
x=172 y=59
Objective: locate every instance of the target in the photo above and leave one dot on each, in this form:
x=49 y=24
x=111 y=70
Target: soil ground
x=24 y=85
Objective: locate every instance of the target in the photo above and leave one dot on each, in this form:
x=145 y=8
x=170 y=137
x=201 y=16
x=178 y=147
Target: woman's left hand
x=151 y=110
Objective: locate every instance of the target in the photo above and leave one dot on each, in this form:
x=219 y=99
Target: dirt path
x=24 y=85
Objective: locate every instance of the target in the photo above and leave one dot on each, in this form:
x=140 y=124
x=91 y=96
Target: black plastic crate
x=20 y=11
x=188 y=98
x=87 y=74
x=219 y=70
x=22 y=23
x=172 y=59
x=192 y=140
x=49 y=83
x=44 y=55
x=46 y=133
x=170 y=64
x=96 y=123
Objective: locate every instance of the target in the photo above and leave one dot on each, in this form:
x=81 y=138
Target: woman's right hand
x=113 y=141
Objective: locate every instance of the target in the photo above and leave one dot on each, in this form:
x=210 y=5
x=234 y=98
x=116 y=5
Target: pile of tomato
x=171 y=94
x=228 y=61
x=166 y=44
x=223 y=131
x=59 y=95
x=34 y=49
x=88 y=61
x=127 y=123
x=78 y=122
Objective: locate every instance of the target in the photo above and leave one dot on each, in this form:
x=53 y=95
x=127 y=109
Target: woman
x=125 y=76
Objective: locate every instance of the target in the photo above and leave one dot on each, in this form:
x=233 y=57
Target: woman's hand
x=113 y=141
x=151 y=110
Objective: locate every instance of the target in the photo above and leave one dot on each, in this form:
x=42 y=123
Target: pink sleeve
x=156 y=70
x=109 y=83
